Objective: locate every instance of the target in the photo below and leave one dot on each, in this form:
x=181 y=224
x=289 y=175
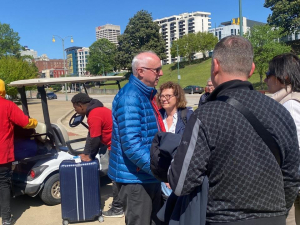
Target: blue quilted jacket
x=134 y=127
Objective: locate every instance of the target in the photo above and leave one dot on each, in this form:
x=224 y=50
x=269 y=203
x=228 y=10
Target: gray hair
x=235 y=55
x=137 y=60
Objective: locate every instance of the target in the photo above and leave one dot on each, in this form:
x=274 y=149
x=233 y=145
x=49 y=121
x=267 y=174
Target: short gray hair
x=235 y=55
x=137 y=60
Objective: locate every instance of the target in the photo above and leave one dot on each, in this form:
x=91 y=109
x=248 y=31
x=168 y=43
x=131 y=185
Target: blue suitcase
x=80 y=191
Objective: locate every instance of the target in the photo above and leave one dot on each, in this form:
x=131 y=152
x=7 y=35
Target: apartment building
x=174 y=27
x=109 y=32
x=29 y=52
x=232 y=27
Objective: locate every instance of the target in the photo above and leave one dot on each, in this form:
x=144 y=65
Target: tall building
x=233 y=27
x=109 y=32
x=82 y=61
x=77 y=60
x=72 y=63
x=174 y=27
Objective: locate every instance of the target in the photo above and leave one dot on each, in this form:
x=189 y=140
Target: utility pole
x=178 y=64
x=241 y=19
x=64 y=55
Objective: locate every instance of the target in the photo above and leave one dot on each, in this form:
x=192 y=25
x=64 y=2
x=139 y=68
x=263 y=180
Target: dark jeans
x=141 y=202
x=5 y=189
x=116 y=203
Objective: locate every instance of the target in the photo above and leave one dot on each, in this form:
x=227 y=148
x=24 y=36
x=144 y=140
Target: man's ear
x=140 y=72
x=215 y=67
x=252 y=70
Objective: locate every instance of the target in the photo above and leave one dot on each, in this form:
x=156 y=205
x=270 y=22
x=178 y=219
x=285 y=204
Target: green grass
x=195 y=74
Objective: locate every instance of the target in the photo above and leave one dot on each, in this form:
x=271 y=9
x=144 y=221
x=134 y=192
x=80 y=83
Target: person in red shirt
x=99 y=119
x=10 y=115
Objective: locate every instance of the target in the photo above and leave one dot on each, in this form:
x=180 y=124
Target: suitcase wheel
x=101 y=219
x=65 y=222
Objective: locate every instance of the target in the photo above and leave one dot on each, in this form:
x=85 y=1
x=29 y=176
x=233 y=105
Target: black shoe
x=11 y=221
x=113 y=213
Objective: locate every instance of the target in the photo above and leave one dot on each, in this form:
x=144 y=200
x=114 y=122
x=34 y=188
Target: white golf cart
x=39 y=173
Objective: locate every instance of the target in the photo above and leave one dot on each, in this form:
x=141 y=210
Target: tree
x=206 y=42
x=266 y=44
x=192 y=43
x=102 y=57
x=9 y=41
x=187 y=46
x=13 y=68
x=141 y=34
x=285 y=14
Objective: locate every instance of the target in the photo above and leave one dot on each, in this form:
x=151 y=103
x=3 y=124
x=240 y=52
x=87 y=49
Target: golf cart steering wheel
x=75 y=120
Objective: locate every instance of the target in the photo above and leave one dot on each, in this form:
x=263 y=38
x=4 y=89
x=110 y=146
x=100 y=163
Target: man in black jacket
x=246 y=184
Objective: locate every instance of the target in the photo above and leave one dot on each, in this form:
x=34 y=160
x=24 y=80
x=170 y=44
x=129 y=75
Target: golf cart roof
x=62 y=80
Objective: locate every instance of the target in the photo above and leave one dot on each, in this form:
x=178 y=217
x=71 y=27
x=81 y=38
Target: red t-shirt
x=100 y=123
x=10 y=114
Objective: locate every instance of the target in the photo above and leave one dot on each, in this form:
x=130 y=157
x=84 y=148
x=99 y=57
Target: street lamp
x=63 y=46
x=177 y=60
x=178 y=63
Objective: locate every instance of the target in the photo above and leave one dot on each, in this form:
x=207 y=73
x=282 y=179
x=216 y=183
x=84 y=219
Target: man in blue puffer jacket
x=136 y=120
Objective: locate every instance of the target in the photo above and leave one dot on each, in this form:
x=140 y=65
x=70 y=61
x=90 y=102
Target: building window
x=220 y=36
x=231 y=31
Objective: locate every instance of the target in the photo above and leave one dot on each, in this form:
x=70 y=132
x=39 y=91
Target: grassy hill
x=195 y=74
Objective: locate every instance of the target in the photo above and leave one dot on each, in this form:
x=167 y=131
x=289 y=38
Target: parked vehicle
x=39 y=174
x=191 y=89
x=50 y=95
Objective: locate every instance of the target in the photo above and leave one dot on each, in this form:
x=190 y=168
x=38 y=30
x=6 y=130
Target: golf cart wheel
x=65 y=222
x=101 y=219
x=51 y=191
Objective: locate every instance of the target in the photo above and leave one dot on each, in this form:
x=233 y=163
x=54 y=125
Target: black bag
x=163 y=148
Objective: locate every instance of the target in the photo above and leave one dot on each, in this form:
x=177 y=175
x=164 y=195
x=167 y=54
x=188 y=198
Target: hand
x=85 y=158
x=168 y=185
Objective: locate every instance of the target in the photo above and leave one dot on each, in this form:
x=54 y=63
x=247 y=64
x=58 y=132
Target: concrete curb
x=59 y=120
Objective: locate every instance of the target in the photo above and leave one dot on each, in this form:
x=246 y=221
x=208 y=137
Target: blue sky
x=37 y=20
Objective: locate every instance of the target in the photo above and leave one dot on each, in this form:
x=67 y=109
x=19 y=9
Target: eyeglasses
x=167 y=97
x=154 y=70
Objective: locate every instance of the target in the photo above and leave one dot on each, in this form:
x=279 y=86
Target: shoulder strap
x=257 y=125
x=183 y=115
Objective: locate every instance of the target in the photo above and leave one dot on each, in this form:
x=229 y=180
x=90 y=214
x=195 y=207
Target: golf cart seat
x=61 y=134
x=41 y=129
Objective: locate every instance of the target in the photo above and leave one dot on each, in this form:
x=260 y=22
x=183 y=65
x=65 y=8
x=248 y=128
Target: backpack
x=183 y=115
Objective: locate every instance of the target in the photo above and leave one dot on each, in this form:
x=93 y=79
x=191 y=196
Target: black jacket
x=245 y=180
x=92 y=145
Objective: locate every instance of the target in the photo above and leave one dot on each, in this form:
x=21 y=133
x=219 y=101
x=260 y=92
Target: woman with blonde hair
x=171 y=99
